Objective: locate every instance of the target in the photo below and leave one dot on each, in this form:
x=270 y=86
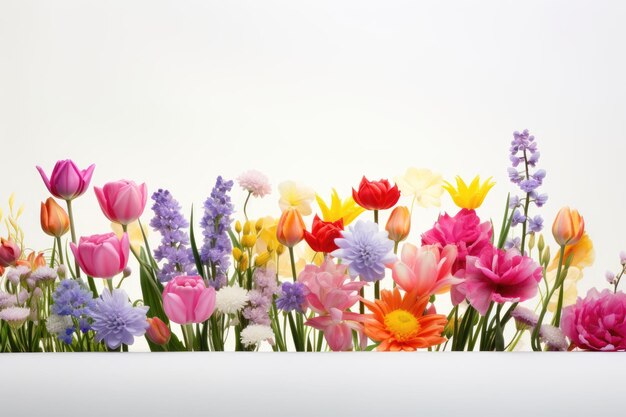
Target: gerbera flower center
x=402 y=324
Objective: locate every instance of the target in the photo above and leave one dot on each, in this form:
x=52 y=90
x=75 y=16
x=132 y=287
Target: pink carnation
x=465 y=231
x=597 y=322
x=500 y=276
x=255 y=182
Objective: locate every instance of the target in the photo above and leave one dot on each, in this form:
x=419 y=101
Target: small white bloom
x=256 y=333
x=15 y=316
x=44 y=273
x=255 y=182
x=58 y=324
x=229 y=300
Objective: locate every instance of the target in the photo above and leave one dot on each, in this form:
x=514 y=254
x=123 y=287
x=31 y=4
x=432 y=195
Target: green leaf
x=372 y=347
x=194 y=247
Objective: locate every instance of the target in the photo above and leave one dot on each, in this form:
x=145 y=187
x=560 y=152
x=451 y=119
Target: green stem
x=188 y=329
x=245 y=206
x=54 y=251
x=70 y=213
x=293 y=264
x=376 y=216
x=557 y=283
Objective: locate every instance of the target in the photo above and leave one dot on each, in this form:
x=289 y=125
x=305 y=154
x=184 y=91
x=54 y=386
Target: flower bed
x=351 y=281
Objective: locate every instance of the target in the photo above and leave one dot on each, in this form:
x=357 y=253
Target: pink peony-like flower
x=465 y=231
x=426 y=270
x=330 y=292
x=597 y=322
x=500 y=276
x=102 y=256
x=255 y=182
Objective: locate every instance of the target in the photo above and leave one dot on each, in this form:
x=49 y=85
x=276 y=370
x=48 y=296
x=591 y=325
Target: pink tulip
x=122 y=201
x=187 y=300
x=500 y=276
x=67 y=181
x=102 y=256
x=426 y=270
x=9 y=252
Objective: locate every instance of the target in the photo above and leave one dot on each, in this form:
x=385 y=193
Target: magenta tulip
x=9 y=252
x=187 y=300
x=122 y=201
x=67 y=181
x=102 y=256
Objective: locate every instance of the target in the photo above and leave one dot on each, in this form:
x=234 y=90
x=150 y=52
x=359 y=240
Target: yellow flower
x=422 y=185
x=469 y=197
x=134 y=234
x=583 y=255
x=348 y=209
x=296 y=196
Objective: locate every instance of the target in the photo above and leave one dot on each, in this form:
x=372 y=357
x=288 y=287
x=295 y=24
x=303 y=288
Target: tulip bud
x=158 y=332
x=9 y=252
x=280 y=249
x=545 y=260
x=247 y=227
x=568 y=227
x=541 y=244
x=54 y=220
x=622 y=257
x=531 y=241
x=610 y=277
x=248 y=241
x=62 y=271
x=262 y=259
x=258 y=226
x=290 y=229
x=271 y=246
x=238 y=226
x=237 y=254
x=399 y=224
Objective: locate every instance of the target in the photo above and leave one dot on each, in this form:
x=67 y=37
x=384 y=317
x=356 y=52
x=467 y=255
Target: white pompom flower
x=230 y=300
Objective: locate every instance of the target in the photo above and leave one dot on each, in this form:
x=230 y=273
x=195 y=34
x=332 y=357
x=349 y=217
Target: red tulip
x=376 y=195
x=9 y=252
x=323 y=234
x=158 y=332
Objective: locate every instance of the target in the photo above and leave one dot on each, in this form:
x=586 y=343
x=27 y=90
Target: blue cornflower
x=116 y=321
x=170 y=223
x=366 y=250
x=291 y=297
x=216 y=222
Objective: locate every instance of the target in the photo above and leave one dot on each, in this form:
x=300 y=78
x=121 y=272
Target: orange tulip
x=399 y=224
x=158 y=332
x=54 y=220
x=290 y=229
x=33 y=260
x=568 y=227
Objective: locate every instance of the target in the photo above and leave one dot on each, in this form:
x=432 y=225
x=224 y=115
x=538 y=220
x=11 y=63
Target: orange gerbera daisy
x=399 y=323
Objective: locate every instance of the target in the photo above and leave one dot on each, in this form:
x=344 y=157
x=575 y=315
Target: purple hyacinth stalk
x=216 y=222
x=524 y=157
x=170 y=223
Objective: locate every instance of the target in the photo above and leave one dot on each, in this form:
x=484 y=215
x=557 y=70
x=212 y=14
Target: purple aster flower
x=292 y=297
x=170 y=223
x=366 y=250
x=116 y=321
x=535 y=224
x=215 y=253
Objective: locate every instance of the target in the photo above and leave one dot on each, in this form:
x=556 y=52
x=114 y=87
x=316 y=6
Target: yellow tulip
x=348 y=209
x=469 y=197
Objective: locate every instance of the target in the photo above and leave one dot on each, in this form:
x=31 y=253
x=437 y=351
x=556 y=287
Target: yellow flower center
x=402 y=324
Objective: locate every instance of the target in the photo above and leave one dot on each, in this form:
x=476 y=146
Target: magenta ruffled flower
x=500 y=276
x=597 y=322
x=465 y=231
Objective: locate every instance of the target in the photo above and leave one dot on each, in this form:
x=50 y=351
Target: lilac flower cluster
x=215 y=253
x=171 y=224
x=72 y=299
x=524 y=158
x=292 y=297
x=261 y=297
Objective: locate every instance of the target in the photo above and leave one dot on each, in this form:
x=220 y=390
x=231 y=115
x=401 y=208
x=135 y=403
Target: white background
x=174 y=93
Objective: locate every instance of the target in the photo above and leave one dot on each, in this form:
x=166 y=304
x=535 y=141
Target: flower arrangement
x=346 y=282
